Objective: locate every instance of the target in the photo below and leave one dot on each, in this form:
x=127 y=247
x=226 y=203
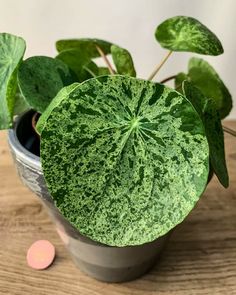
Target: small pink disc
x=41 y=254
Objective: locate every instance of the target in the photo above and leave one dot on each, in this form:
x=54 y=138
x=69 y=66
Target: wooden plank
x=199 y=259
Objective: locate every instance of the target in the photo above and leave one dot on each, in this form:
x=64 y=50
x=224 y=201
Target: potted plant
x=118 y=161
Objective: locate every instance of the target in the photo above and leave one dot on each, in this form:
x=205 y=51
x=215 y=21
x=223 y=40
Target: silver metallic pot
x=105 y=263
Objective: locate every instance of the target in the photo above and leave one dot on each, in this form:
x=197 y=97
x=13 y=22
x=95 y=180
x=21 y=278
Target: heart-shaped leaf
x=12 y=49
x=54 y=103
x=85 y=45
x=203 y=76
x=40 y=78
x=123 y=61
x=78 y=62
x=131 y=156
x=211 y=120
x=182 y=33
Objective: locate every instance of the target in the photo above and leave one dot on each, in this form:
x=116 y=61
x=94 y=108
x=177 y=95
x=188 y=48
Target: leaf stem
x=105 y=60
x=168 y=79
x=229 y=131
x=34 y=121
x=157 y=69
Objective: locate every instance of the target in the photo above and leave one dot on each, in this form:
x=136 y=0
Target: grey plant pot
x=105 y=263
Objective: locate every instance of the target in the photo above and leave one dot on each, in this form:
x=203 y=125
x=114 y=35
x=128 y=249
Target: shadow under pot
x=105 y=263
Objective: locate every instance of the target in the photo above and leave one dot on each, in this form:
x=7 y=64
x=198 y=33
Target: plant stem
x=168 y=79
x=229 y=131
x=34 y=122
x=105 y=59
x=157 y=69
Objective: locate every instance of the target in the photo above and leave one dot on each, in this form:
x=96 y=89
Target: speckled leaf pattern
x=85 y=45
x=40 y=78
x=203 y=76
x=211 y=120
x=12 y=49
x=125 y=159
x=182 y=33
x=54 y=103
x=123 y=61
x=78 y=62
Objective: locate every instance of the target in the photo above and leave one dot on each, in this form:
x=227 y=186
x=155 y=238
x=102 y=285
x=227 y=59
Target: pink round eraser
x=41 y=254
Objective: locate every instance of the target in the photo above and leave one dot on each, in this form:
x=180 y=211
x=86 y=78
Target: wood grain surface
x=199 y=259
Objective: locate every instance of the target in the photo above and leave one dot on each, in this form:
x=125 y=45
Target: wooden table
x=199 y=259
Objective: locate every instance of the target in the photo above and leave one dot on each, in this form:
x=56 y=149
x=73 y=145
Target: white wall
x=129 y=23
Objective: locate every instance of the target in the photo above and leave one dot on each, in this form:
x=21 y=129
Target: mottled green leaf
x=123 y=61
x=203 y=76
x=40 y=78
x=211 y=120
x=78 y=62
x=54 y=103
x=131 y=156
x=182 y=33
x=85 y=45
x=12 y=49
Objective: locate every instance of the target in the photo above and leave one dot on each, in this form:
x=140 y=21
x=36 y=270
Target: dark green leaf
x=85 y=45
x=40 y=79
x=203 y=76
x=123 y=61
x=54 y=103
x=78 y=62
x=20 y=104
x=182 y=33
x=12 y=49
x=211 y=120
x=103 y=71
x=179 y=79
x=131 y=156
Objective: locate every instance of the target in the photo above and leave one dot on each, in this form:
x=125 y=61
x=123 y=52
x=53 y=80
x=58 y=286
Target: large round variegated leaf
x=125 y=159
x=85 y=45
x=40 y=79
x=182 y=33
x=12 y=49
x=123 y=61
x=79 y=63
x=211 y=120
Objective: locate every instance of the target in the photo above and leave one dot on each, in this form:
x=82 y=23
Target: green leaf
x=123 y=61
x=179 y=79
x=85 y=45
x=12 y=49
x=131 y=155
x=103 y=71
x=78 y=62
x=211 y=120
x=54 y=103
x=182 y=33
x=20 y=104
x=40 y=78
x=203 y=76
